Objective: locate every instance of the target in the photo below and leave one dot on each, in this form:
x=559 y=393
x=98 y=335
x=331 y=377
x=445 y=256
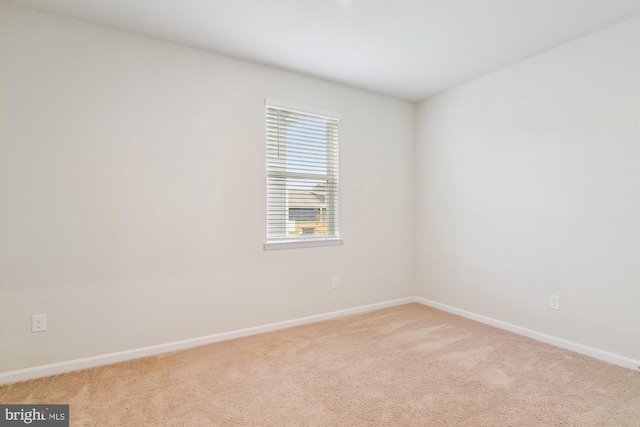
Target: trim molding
x=615 y=359
x=107 y=359
x=302 y=243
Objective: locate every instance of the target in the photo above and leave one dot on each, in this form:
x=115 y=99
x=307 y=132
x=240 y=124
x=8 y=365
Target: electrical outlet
x=38 y=323
x=554 y=302
x=335 y=283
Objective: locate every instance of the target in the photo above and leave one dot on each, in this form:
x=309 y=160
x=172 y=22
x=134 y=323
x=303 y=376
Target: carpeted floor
x=404 y=366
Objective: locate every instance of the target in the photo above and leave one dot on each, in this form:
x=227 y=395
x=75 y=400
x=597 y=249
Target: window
x=302 y=176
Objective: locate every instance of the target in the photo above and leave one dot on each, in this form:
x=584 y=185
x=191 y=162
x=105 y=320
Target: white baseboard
x=106 y=359
x=615 y=359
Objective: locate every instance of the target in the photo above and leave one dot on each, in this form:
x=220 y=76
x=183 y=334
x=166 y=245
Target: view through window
x=302 y=174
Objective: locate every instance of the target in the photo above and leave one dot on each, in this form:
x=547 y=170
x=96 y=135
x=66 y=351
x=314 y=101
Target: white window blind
x=302 y=173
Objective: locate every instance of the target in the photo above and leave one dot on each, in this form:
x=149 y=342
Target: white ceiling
x=407 y=49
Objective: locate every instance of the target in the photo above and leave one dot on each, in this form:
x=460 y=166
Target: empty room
x=320 y=212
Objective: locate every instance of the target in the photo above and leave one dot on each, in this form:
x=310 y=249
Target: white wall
x=527 y=184
x=133 y=192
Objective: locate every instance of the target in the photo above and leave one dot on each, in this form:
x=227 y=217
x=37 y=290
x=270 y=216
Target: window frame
x=302 y=241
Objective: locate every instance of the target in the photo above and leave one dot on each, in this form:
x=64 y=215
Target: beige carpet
x=404 y=366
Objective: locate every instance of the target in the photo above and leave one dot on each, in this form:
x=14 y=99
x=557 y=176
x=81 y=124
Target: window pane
x=302 y=172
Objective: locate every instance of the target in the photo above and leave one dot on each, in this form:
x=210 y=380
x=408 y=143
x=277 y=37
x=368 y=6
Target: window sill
x=302 y=243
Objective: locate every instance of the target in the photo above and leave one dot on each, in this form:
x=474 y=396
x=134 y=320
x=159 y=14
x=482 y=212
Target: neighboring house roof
x=315 y=198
